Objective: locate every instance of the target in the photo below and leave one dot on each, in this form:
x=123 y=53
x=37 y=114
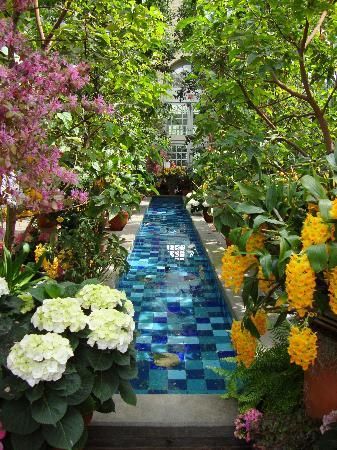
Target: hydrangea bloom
x=3 y=287
x=128 y=306
x=58 y=314
x=28 y=302
x=96 y=296
x=110 y=329
x=39 y=357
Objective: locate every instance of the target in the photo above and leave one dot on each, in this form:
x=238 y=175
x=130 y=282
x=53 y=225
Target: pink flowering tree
x=34 y=87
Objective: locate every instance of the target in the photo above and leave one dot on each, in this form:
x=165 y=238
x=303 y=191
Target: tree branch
x=49 y=38
x=38 y=21
x=287 y=88
x=316 y=29
x=268 y=121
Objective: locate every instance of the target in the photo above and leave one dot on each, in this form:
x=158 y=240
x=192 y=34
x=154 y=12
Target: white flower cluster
x=191 y=203
x=96 y=296
x=58 y=314
x=39 y=357
x=110 y=329
x=3 y=287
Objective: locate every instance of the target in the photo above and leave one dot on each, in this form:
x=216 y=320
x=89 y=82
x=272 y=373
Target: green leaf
x=122 y=359
x=98 y=359
x=250 y=326
x=32 y=441
x=67 y=432
x=332 y=251
x=250 y=192
x=35 y=392
x=249 y=209
x=272 y=197
x=266 y=263
x=54 y=290
x=87 y=383
x=324 y=209
x=107 y=407
x=49 y=409
x=128 y=372
x=250 y=291
x=127 y=393
x=106 y=384
x=16 y=417
x=67 y=385
x=259 y=220
x=318 y=257
x=314 y=187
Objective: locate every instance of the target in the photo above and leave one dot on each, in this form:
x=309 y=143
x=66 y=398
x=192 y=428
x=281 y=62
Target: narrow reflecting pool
x=181 y=315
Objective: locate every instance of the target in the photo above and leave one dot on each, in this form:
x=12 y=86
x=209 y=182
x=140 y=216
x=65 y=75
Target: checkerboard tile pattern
x=179 y=305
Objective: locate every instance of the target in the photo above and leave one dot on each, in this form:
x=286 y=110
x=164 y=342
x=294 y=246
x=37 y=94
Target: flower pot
x=119 y=221
x=320 y=380
x=208 y=217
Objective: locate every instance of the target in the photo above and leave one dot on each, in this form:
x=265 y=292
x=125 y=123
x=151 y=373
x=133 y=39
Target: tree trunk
x=10 y=226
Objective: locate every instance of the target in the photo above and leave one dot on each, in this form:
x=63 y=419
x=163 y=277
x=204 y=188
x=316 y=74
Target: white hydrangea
x=128 y=306
x=58 y=314
x=97 y=296
x=39 y=357
x=205 y=204
x=4 y=290
x=189 y=195
x=110 y=329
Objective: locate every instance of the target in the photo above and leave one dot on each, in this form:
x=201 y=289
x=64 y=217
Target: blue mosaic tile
x=179 y=306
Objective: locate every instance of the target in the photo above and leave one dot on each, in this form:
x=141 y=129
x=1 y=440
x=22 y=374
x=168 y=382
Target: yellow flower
x=39 y=251
x=332 y=280
x=302 y=347
x=234 y=267
x=260 y=321
x=51 y=268
x=300 y=283
x=59 y=219
x=333 y=210
x=315 y=231
x=244 y=344
x=265 y=284
x=255 y=242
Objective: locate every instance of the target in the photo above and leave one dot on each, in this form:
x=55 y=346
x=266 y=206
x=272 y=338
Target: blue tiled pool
x=179 y=306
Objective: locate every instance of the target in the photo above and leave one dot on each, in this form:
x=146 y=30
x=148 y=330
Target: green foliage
x=92 y=252
x=262 y=385
x=19 y=276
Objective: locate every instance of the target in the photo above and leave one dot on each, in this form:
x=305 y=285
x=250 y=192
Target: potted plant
x=118 y=222
x=66 y=350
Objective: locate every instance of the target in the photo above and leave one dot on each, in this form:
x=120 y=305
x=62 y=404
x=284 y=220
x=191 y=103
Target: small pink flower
x=2 y=432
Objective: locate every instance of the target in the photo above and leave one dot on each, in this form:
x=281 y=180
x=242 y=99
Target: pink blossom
x=247 y=423
x=79 y=196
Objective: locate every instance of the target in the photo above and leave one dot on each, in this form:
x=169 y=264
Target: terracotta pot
x=119 y=221
x=208 y=217
x=320 y=380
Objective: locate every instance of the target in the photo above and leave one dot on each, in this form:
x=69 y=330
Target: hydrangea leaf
x=49 y=409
